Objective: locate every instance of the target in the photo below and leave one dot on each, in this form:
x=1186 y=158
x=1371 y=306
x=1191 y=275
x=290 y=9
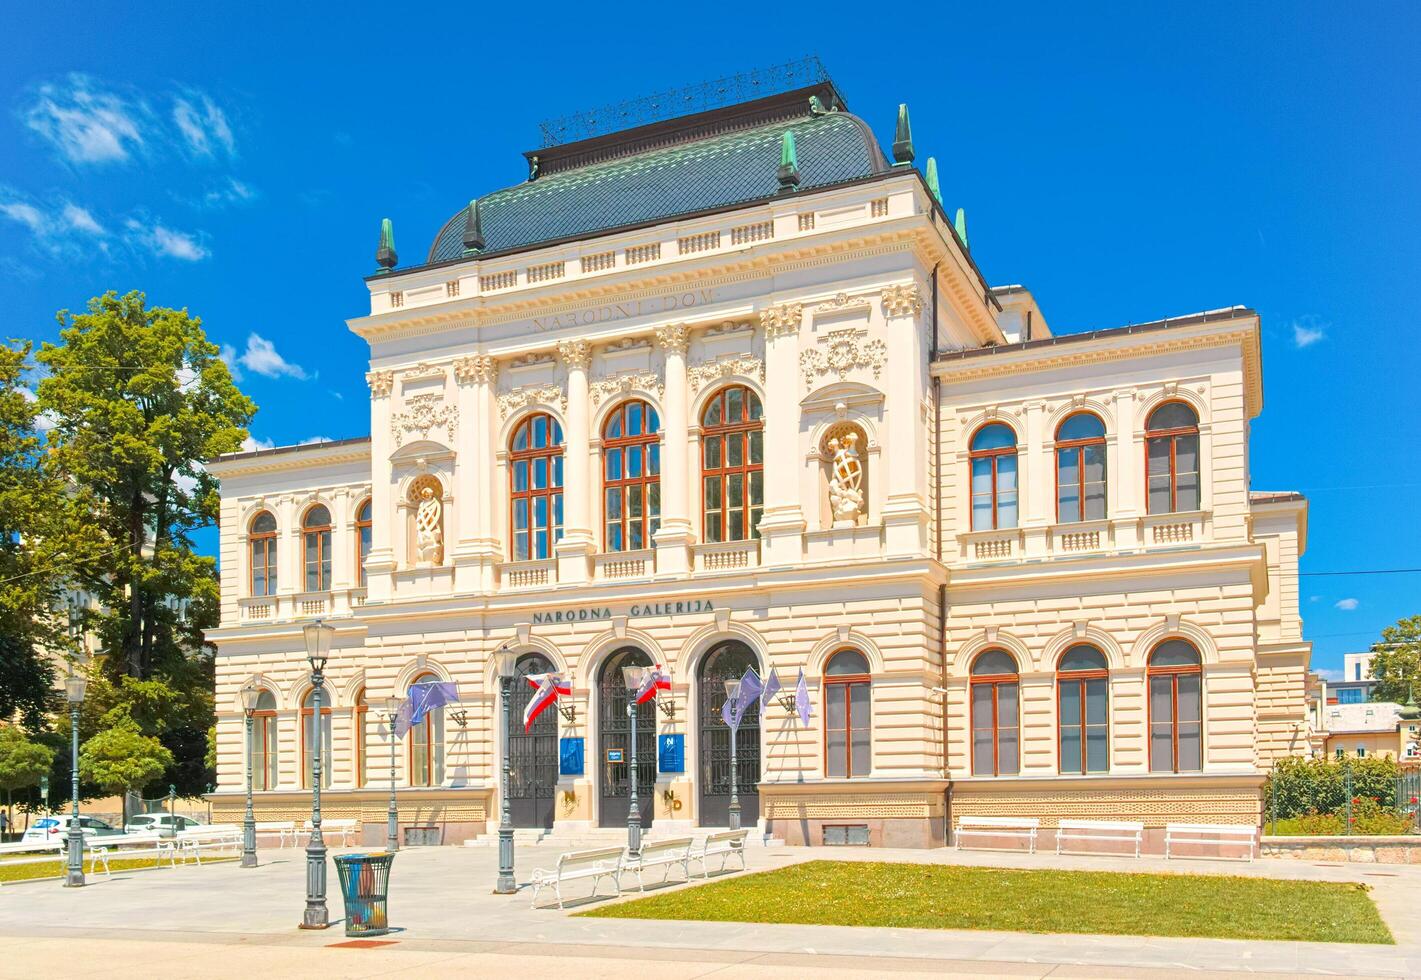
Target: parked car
x=56 y=828
x=164 y=823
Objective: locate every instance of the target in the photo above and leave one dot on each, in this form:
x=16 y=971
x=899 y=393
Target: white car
x=163 y=823
x=56 y=828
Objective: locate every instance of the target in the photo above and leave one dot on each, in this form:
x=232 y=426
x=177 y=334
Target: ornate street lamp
x=633 y=677
x=506 y=665
x=318 y=651
x=732 y=690
x=251 y=695
x=389 y=709
x=74 y=686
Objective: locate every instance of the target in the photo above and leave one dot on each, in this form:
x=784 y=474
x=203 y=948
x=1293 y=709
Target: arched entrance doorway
x=614 y=728
x=532 y=755
x=727 y=661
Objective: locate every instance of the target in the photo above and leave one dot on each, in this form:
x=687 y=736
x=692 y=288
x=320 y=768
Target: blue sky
x=1126 y=162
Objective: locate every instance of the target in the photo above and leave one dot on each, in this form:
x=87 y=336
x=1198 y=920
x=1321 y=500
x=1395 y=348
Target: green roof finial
x=788 y=174
x=931 y=178
x=903 y=137
x=473 y=229
x=385 y=254
x=961 y=225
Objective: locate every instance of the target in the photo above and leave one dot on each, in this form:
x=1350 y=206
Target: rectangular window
x=851 y=835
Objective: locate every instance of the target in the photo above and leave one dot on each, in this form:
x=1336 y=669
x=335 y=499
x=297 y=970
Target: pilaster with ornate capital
x=672 y=339
x=381 y=383
x=902 y=300
x=575 y=354
x=477 y=368
x=782 y=319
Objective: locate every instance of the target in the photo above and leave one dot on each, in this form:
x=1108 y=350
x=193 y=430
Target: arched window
x=848 y=716
x=1176 y=708
x=1080 y=469
x=993 y=457
x=262 y=538
x=359 y=718
x=427 y=745
x=996 y=733
x=535 y=480
x=631 y=475
x=1172 y=458
x=308 y=737
x=364 y=531
x=262 y=748
x=316 y=547
x=732 y=464
x=1083 y=709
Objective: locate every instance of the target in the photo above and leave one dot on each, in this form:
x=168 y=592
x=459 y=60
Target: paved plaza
x=220 y=920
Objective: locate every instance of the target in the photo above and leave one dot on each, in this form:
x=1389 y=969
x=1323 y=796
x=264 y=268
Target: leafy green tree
x=1396 y=661
x=122 y=759
x=22 y=763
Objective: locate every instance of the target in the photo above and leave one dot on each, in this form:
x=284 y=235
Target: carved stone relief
x=478 y=367
x=840 y=352
x=424 y=413
x=518 y=398
x=782 y=319
x=902 y=300
x=708 y=372
x=381 y=383
x=624 y=383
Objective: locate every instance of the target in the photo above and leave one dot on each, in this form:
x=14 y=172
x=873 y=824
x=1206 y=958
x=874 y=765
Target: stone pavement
x=221 y=920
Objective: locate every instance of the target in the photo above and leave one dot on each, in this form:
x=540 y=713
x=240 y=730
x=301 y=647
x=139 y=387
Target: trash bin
x=365 y=886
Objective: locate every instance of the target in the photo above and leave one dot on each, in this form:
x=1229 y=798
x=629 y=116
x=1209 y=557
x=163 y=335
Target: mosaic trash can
x=365 y=886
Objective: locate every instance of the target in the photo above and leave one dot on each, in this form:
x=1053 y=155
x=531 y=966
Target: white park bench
x=663 y=854
x=346 y=828
x=1216 y=834
x=725 y=845
x=1127 y=831
x=36 y=846
x=281 y=828
x=1024 y=828
x=217 y=837
x=133 y=845
x=598 y=863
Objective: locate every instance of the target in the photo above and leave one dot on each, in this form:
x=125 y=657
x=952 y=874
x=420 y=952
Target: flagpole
x=633 y=812
x=734 y=783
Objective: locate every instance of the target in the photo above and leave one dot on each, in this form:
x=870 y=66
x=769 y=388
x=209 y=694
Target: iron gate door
x=532 y=755
x=615 y=730
x=729 y=661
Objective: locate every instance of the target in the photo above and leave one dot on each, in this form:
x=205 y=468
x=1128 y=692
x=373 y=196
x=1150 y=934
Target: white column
x=575 y=550
x=1124 y=475
x=381 y=561
x=675 y=536
x=472 y=464
x=782 y=527
x=905 y=514
x=1035 y=481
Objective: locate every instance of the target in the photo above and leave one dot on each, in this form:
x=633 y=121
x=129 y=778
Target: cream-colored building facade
x=923 y=524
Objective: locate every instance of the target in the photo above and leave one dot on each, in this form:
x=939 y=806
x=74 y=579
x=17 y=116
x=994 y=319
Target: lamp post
x=74 y=686
x=633 y=676
x=390 y=708
x=732 y=690
x=318 y=651
x=251 y=694
x=506 y=664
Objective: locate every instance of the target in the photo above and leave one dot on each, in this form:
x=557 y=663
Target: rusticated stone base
x=1356 y=850
x=907 y=813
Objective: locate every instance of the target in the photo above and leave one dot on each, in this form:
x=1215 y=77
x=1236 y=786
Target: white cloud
x=1346 y=605
x=85 y=123
x=1307 y=331
x=229 y=191
x=202 y=124
x=312 y=440
x=261 y=356
x=252 y=444
x=44 y=421
x=1328 y=673
x=164 y=241
x=81 y=219
x=27 y=215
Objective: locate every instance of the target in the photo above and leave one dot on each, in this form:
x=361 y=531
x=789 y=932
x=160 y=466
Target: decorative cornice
x=575 y=354
x=902 y=300
x=672 y=339
x=511 y=401
x=843 y=301
x=381 y=383
x=840 y=352
x=624 y=384
x=425 y=412
x=477 y=367
x=707 y=372
x=782 y=319
x=423 y=371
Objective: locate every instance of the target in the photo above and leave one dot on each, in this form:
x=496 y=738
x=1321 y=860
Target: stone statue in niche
x=429 y=527
x=846 y=484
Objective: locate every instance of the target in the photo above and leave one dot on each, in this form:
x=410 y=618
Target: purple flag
x=423 y=699
x=772 y=687
x=746 y=694
x=801 y=699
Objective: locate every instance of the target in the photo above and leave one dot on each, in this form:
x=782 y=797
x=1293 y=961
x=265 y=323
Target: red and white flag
x=652 y=680
x=550 y=687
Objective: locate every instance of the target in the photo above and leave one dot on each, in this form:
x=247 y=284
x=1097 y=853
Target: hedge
x=1305 y=786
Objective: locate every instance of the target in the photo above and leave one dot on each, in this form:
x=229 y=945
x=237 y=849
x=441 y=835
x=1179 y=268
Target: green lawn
x=926 y=896
x=27 y=870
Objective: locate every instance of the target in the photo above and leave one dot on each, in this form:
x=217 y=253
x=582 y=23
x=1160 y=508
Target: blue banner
x=570 y=756
x=671 y=753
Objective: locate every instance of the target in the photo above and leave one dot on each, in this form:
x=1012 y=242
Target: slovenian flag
x=653 y=680
x=550 y=687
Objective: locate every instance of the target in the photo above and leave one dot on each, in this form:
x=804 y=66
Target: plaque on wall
x=570 y=757
x=671 y=753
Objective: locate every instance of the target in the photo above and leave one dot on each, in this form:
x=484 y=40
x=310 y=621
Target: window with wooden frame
x=308 y=737
x=359 y=718
x=316 y=548
x=732 y=465
x=1080 y=469
x=1083 y=711
x=1176 y=680
x=427 y=744
x=364 y=535
x=631 y=476
x=848 y=716
x=535 y=462
x=992 y=458
x=1172 y=459
x=261 y=537
x=996 y=724
x=262 y=749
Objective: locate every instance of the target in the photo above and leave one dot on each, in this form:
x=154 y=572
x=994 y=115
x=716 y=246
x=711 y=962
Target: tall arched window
x=1176 y=708
x=308 y=737
x=996 y=726
x=427 y=745
x=848 y=716
x=262 y=748
x=359 y=718
x=1172 y=458
x=1080 y=469
x=732 y=464
x=1083 y=709
x=364 y=532
x=631 y=475
x=535 y=480
x=993 y=457
x=262 y=538
x=316 y=548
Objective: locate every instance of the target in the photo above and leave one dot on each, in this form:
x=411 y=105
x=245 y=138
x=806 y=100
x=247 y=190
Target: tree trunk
x=133 y=629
